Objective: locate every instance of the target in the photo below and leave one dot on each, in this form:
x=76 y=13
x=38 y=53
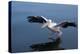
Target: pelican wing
x=66 y=24
x=36 y=19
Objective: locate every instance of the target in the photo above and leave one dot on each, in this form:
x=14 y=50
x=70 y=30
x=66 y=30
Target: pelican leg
x=59 y=33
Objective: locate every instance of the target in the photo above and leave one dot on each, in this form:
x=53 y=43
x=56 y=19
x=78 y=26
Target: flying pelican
x=51 y=25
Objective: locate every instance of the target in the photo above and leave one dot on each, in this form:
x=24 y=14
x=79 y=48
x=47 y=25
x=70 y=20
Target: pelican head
x=49 y=21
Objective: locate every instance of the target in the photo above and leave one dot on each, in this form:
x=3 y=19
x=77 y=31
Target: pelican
x=51 y=25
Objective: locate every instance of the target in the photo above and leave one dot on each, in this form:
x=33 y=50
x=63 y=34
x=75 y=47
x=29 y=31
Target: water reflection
x=52 y=45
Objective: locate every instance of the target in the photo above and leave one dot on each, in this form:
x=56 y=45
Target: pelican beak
x=44 y=25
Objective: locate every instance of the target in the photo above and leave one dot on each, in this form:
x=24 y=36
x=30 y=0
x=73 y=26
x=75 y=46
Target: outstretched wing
x=36 y=19
x=66 y=24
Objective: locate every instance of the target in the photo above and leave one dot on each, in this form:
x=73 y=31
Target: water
x=24 y=34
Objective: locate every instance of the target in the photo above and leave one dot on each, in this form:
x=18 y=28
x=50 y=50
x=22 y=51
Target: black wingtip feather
x=35 y=19
x=67 y=24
